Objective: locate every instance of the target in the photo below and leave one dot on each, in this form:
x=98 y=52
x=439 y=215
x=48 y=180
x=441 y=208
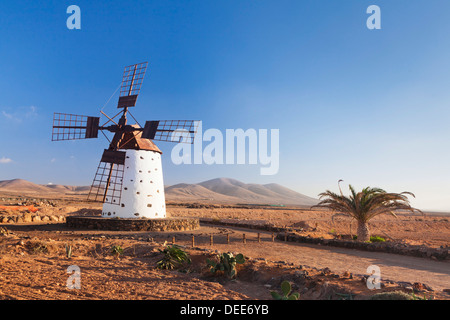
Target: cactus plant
x=226 y=263
x=286 y=289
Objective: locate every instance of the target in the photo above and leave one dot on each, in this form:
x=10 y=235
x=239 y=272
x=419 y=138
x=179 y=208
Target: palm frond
x=366 y=204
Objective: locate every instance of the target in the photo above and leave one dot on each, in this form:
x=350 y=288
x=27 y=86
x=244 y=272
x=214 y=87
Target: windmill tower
x=129 y=178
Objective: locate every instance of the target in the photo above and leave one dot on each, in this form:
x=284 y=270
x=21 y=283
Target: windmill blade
x=133 y=76
x=73 y=127
x=171 y=130
x=108 y=180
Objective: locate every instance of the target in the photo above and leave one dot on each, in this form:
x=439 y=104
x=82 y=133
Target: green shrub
x=116 y=251
x=373 y=239
x=286 y=289
x=377 y=239
x=37 y=247
x=174 y=257
x=345 y=296
x=68 y=251
x=394 y=295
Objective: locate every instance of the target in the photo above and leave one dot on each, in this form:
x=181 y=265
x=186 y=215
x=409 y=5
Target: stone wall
x=129 y=224
x=31 y=217
x=286 y=234
x=389 y=247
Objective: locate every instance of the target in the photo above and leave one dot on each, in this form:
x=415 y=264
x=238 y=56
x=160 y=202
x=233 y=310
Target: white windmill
x=129 y=178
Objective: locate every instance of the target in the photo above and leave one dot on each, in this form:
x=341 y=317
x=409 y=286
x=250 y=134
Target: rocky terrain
x=34 y=261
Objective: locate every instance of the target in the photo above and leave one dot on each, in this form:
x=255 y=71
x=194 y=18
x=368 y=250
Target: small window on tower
x=149 y=205
x=122 y=205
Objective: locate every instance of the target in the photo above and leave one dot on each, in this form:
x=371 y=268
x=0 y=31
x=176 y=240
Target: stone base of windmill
x=132 y=224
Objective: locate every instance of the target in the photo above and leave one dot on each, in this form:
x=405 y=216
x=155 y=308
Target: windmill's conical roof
x=133 y=140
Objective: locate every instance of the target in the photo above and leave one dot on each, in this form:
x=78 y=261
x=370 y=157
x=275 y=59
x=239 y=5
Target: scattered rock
x=326 y=270
x=409 y=288
x=427 y=287
x=417 y=286
x=27 y=217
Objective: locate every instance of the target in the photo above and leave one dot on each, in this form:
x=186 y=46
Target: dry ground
x=30 y=271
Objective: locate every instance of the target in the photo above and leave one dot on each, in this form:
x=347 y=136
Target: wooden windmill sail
x=129 y=179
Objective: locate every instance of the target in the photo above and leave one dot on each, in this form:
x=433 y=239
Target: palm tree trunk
x=363 y=231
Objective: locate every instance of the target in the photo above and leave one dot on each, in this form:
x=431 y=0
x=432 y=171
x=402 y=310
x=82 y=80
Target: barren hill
x=27 y=187
x=220 y=190
x=22 y=186
x=233 y=191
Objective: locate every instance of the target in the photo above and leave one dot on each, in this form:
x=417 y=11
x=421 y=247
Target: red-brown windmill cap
x=133 y=140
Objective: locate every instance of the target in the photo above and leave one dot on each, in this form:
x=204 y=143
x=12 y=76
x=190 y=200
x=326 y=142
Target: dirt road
x=435 y=274
x=393 y=267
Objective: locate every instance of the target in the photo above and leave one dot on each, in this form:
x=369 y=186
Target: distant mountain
x=27 y=187
x=21 y=185
x=227 y=190
x=220 y=190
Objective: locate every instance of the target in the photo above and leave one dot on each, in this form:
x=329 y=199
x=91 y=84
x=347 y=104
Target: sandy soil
x=33 y=262
x=430 y=230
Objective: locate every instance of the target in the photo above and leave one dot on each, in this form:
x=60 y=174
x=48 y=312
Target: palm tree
x=365 y=205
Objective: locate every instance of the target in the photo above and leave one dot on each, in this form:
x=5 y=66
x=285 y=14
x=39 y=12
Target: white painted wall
x=142 y=188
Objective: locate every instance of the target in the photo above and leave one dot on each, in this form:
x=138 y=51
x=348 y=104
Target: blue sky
x=370 y=107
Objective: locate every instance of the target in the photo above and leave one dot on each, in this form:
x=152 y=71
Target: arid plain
x=34 y=261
